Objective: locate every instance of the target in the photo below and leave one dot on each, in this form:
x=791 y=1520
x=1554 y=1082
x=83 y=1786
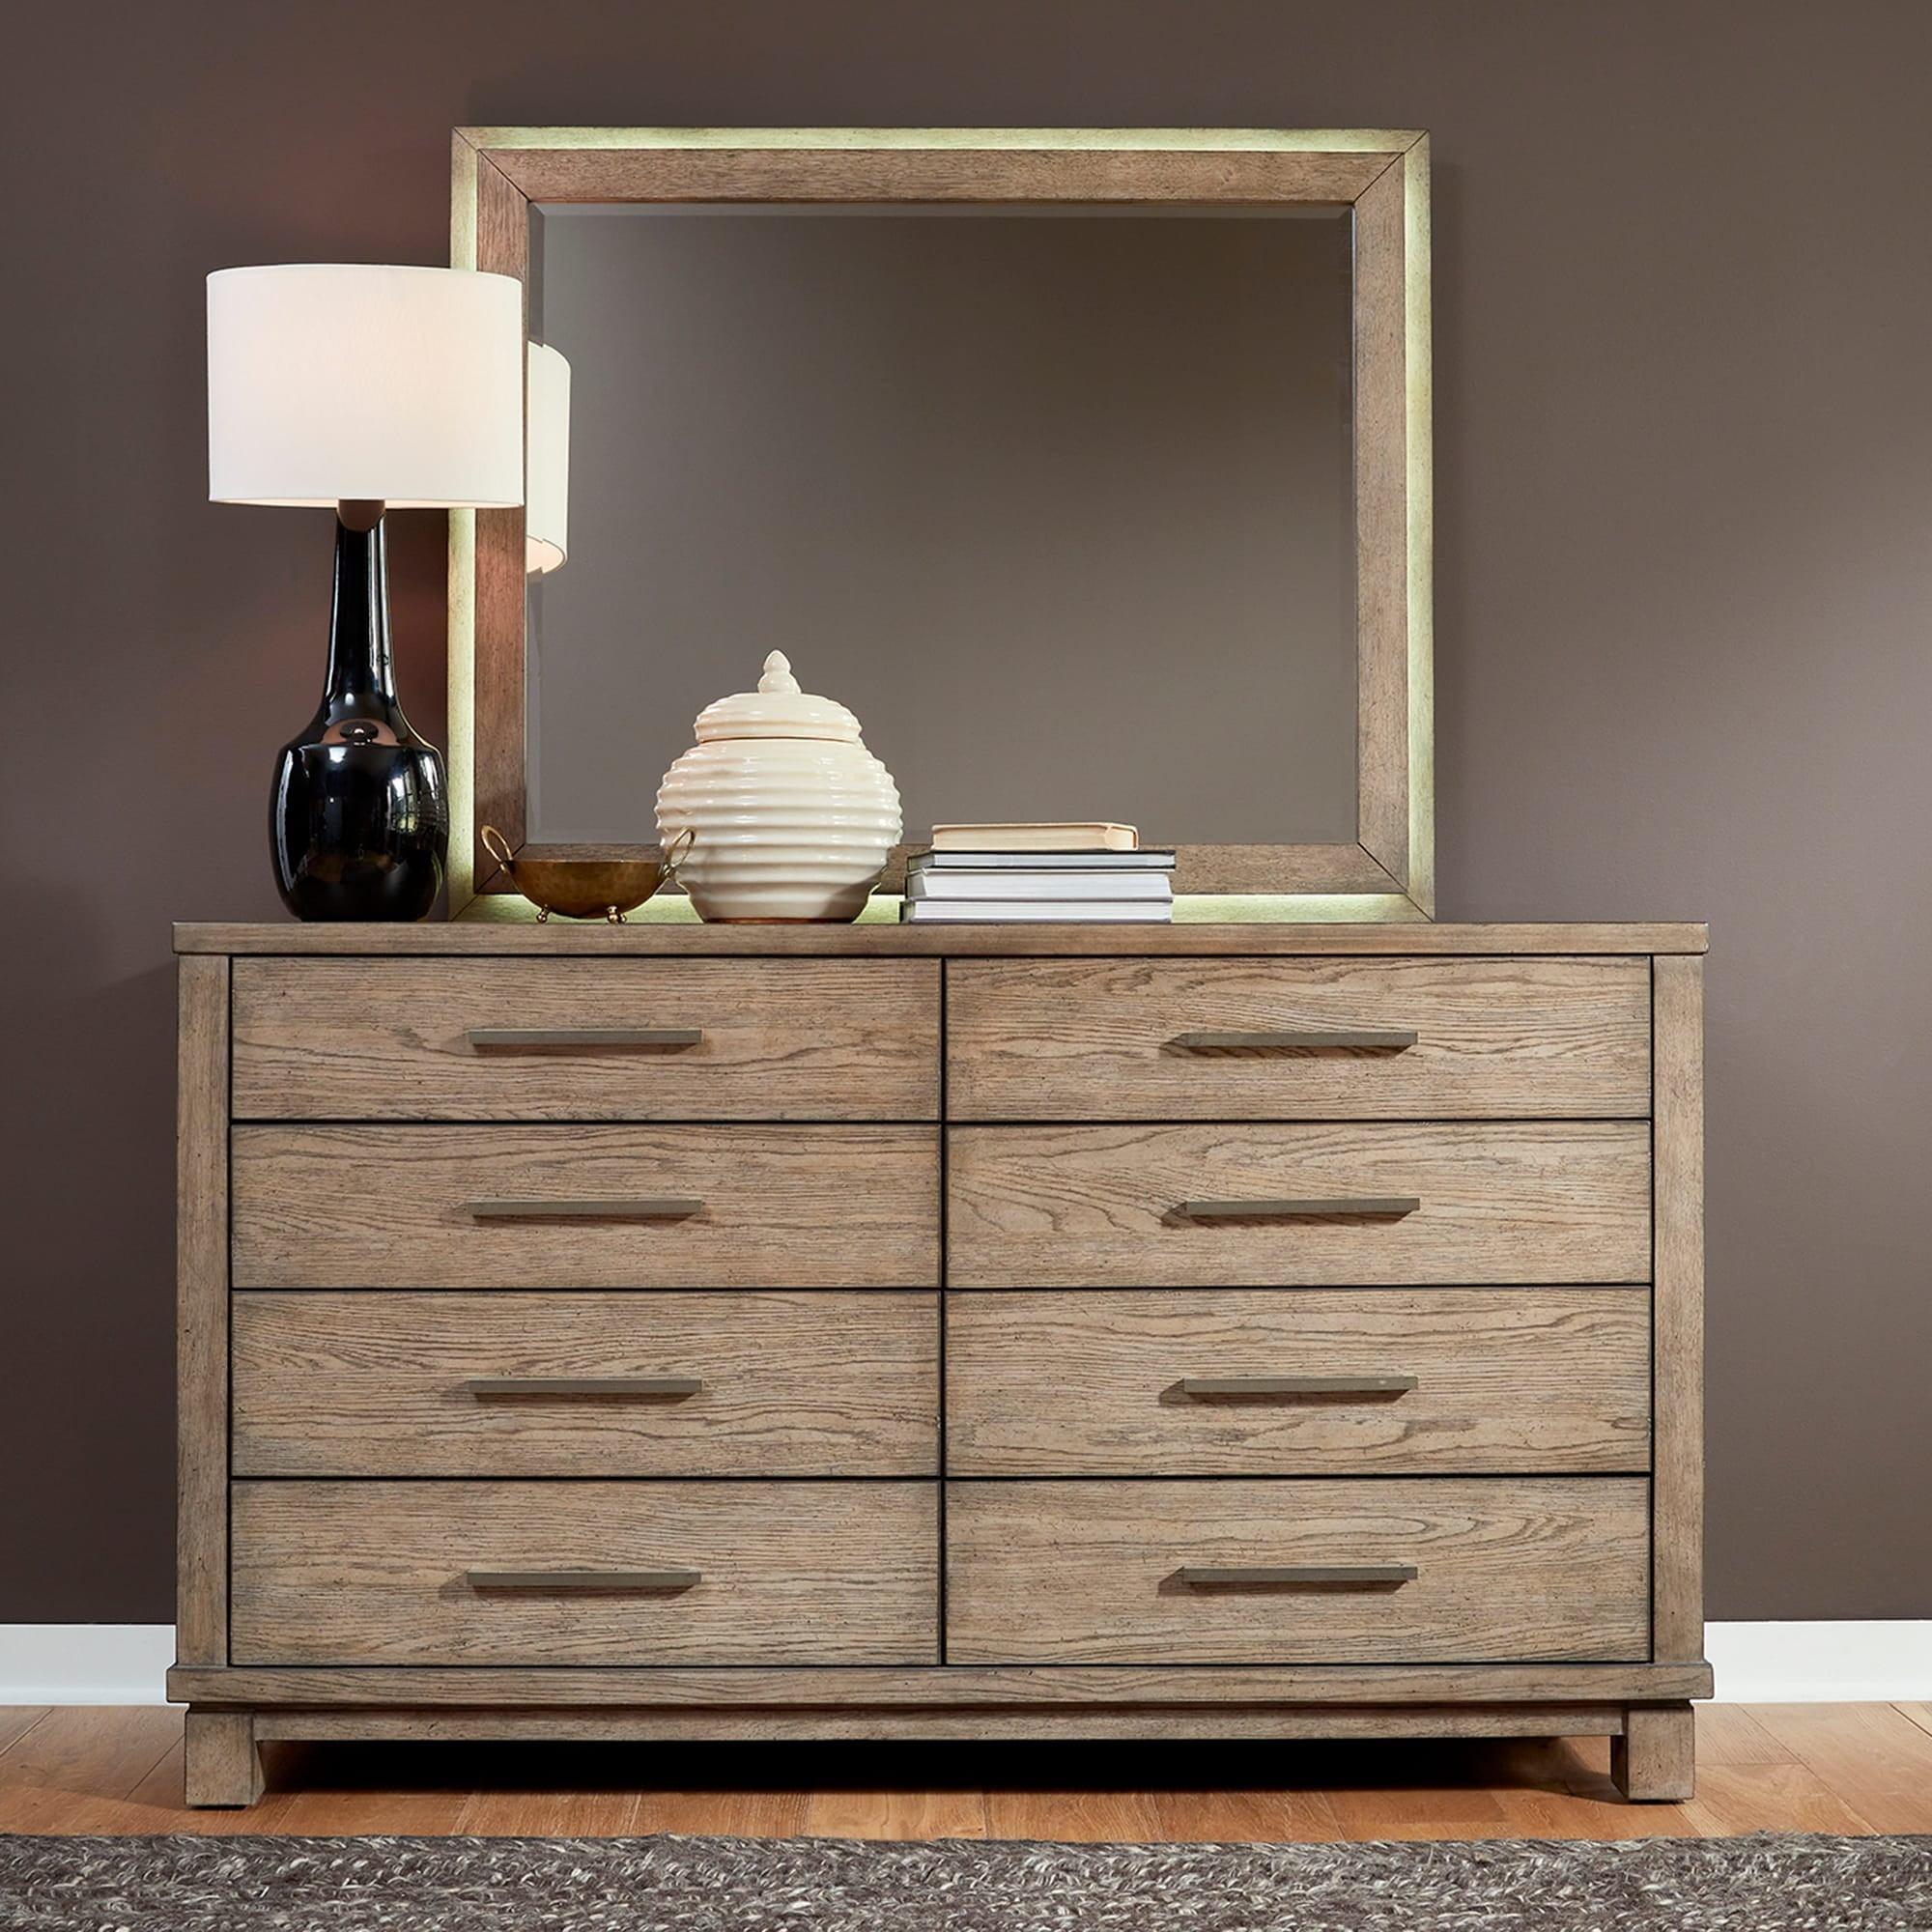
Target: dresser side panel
x=201 y=1338
x=1677 y=1523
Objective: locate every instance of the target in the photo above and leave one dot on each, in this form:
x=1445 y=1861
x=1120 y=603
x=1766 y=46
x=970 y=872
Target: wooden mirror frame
x=1388 y=871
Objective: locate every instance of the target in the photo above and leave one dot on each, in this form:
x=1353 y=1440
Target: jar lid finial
x=777 y=709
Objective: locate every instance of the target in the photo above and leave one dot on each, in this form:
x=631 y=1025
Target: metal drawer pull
x=1303 y=1575
x=647 y=1208
x=1265 y=1388
x=588 y=1388
x=551 y=1582
x=580 y=1039
x=1346 y=1206
x=1369 y=1040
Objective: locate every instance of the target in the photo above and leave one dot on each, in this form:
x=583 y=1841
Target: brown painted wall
x=1683 y=601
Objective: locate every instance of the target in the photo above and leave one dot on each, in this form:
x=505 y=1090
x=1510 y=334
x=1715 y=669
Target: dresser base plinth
x=1651 y=1744
x=938 y=1725
x=1061 y=1688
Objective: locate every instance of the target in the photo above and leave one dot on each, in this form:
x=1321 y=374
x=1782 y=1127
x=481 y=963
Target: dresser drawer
x=1270 y=1205
x=1496 y=1570
x=1177 y=1039
x=585 y=1572
x=585 y=1207
x=1284 y=1383
x=671 y=1384
x=560 y=1039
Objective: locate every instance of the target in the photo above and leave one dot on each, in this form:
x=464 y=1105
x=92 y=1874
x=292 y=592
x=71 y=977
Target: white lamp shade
x=330 y=381
x=547 y=491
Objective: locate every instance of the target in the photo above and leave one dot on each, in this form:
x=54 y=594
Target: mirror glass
x=1060 y=502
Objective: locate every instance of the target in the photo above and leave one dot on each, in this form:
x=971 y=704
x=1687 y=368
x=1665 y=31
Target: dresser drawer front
x=1285 y=1382
x=585 y=1572
x=558 y=1039
x=585 y=1207
x=1275 y=1206
x=1504 y=1570
x=671 y=1384
x=1177 y=1039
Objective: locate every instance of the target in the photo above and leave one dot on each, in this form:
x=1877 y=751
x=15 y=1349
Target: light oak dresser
x=664 y=1331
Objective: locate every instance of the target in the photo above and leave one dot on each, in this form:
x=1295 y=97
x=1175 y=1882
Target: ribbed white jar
x=790 y=816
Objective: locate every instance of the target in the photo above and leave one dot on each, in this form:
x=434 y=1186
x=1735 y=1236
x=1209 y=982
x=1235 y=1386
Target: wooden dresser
x=664 y=1331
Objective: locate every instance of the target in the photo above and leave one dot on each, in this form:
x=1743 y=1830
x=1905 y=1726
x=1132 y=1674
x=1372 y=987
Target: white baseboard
x=85 y=1664
x=1821 y=1662
x=1756 y=1663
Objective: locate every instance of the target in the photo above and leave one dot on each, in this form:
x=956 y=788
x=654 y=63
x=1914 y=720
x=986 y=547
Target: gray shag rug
x=1765 y=1883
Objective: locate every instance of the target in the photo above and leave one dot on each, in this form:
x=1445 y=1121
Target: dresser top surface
x=1201 y=929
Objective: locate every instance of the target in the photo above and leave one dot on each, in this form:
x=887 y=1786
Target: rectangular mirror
x=1063 y=507
x=1090 y=475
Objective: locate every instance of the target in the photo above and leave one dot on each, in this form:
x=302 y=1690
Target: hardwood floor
x=1851 y=1768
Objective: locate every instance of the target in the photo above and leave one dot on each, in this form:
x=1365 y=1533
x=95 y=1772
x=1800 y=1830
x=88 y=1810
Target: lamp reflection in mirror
x=363 y=388
x=547 y=486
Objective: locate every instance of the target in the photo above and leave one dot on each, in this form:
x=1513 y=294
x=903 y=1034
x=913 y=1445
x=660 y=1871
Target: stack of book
x=1002 y=873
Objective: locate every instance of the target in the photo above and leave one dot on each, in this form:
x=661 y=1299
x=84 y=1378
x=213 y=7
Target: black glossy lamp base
x=360 y=831
x=358 y=820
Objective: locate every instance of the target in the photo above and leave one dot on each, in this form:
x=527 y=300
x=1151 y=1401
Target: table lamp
x=363 y=388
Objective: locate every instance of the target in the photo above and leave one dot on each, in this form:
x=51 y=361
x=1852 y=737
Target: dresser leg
x=1656 y=1759
x=222 y=1759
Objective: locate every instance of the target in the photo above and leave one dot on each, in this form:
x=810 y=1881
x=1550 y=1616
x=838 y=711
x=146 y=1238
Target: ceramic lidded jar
x=790 y=816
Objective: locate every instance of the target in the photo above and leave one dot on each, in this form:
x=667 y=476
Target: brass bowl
x=604 y=889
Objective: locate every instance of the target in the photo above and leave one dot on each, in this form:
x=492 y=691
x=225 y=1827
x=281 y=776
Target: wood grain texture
x=359 y=1384
x=1216 y=1811
x=1732 y=1797
x=1324 y=1684
x=497 y=172
x=988 y=174
x=201 y=1310
x=17 y=1721
x=1419 y=527
x=1516 y=1569
x=1073 y=1817
x=554 y=1813
x=1096 y=1206
x=881 y=1724
x=373 y=1573
x=493 y=928
x=1295 y=868
x=222 y=1763
x=1095 y=1040
x=1872 y=1755
x=365 y=1385
x=1382 y=526
x=1655 y=1760
x=493 y=669
x=1678 y=1502
x=1086 y=1385
x=73 y=1769
x=895 y=1814
x=781 y=1040
x=1109 y=140
x=808 y=1206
